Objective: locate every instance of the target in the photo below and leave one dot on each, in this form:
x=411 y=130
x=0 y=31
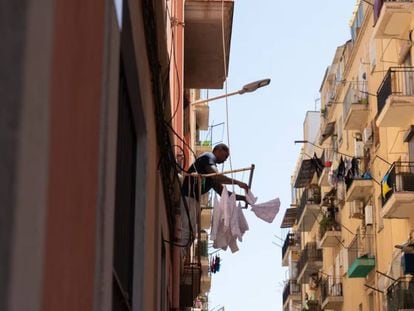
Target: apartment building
x=96 y=118
x=349 y=244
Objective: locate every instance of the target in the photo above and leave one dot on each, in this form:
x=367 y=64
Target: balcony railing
x=400 y=295
x=399 y=178
x=356 y=94
x=397 y=81
x=291 y=288
x=309 y=254
x=331 y=289
x=291 y=240
x=312 y=305
x=361 y=256
x=311 y=195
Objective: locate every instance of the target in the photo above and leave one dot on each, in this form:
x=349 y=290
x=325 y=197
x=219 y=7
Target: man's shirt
x=204 y=164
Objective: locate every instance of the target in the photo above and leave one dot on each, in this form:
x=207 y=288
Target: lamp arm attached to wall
x=248 y=88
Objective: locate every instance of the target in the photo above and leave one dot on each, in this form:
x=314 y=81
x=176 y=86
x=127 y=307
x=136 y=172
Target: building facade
x=349 y=242
x=96 y=125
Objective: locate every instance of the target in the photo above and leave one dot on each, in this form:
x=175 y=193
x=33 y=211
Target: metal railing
x=311 y=195
x=378 y=6
x=397 y=81
x=356 y=94
x=312 y=305
x=400 y=295
x=291 y=288
x=309 y=254
x=361 y=245
x=328 y=223
x=291 y=240
x=331 y=287
x=399 y=178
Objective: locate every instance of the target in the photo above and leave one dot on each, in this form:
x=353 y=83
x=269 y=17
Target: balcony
x=360 y=255
x=204 y=63
x=397 y=191
x=205 y=283
x=323 y=179
x=331 y=293
x=309 y=208
x=359 y=189
x=355 y=107
x=392 y=18
x=289 y=218
x=310 y=261
x=291 y=245
x=400 y=295
x=329 y=232
x=312 y=305
x=395 y=98
x=291 y=291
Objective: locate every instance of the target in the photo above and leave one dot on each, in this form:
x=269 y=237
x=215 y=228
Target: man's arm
x=224 y=180
x=220 y=180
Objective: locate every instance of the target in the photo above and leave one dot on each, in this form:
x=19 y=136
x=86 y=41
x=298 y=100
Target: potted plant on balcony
x=327 y=223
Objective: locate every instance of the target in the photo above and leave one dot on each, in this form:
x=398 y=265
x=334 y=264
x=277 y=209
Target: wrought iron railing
x=400 y=295
x=331 y=287
x=361 y=245
x=328 y=223
x=378 y=6
x=291 y=288
x=399 y=178
x=311 y=195
x=309 y=254
x=397 y=81
x=312 y=305
x=291 y=240
x=356 y=94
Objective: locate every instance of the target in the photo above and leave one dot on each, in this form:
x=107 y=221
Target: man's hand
x=243 y=186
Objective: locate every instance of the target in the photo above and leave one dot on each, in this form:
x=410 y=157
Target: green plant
x=327 y=224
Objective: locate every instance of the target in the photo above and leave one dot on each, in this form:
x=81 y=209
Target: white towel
x=250 y=198
x=267 y=211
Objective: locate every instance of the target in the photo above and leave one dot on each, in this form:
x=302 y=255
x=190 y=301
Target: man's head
x=221 y=151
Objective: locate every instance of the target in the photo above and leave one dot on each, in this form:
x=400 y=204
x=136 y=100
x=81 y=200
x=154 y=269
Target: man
x=204 y=164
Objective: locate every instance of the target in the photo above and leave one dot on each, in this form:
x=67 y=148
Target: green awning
x=361 y=267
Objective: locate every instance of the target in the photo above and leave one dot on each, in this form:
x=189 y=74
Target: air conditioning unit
x=369 y=217
x=367 y=137
x=355 y=209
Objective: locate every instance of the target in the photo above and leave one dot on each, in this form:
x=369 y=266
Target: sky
x=291 y=42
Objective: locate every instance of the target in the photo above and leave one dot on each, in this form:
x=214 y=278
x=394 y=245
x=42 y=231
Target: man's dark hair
x=223 y=147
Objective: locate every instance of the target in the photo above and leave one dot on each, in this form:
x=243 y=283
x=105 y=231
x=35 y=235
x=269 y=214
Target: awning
x=328 y=130
x=289 y=218
x=305 y=173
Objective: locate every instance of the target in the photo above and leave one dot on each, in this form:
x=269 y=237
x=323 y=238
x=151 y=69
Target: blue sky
x=291 y=42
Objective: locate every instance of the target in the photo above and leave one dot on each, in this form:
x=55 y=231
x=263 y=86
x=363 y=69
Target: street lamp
x=248 y=88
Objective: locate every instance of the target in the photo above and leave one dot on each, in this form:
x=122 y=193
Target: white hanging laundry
x=267 y=211
x=250 y=198
x=229 y=223
x=239 y=223
x=217 y=216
